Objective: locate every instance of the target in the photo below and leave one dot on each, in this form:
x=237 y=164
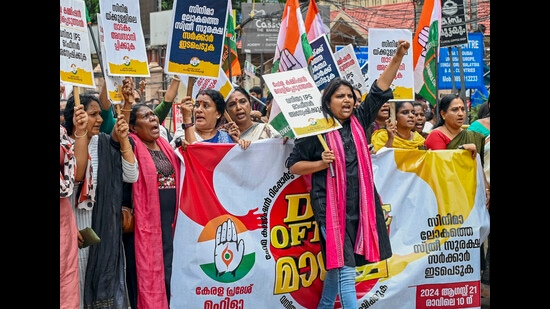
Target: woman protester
x=420 y=116
x=154 y=197
x=238 y=109
x=379 y=121
x=448 y=132
x=111 y=163
x=400 y=134
x=72 y=154
x=207 y=111
x=483 y=126
x=347 y=207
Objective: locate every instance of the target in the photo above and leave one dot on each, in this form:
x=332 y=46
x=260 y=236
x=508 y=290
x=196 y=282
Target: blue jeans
x=338 y=281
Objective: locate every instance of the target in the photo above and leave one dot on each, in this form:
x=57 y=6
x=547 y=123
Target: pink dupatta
x=367 y=236
x=148 y=233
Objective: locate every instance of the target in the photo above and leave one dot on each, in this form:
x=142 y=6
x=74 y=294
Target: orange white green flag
x=292 y=52
x=314 y=22
x=425 y=51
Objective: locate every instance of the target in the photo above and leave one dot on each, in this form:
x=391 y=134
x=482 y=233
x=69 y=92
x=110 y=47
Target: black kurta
x=310 y=149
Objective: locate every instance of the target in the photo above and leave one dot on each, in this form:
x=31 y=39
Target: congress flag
x=314 y=22
x=292 y=52
x=425 y=47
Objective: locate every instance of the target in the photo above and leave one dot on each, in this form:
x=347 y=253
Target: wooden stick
x=190 y=83
x=323 y=142
x=392 y=112
x=76 y=94
x=227 y=117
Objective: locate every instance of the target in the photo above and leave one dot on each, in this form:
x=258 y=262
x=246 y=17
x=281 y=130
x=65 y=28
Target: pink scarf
x=148 y=233
x=367 y=236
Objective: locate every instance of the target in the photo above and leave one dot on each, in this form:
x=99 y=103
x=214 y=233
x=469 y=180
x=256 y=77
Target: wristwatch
x=461 y=147
x=187 y=125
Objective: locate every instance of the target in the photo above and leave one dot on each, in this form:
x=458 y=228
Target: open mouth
x=347 y=108
x=240 y=116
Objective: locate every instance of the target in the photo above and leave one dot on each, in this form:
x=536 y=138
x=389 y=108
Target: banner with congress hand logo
x=246 y=237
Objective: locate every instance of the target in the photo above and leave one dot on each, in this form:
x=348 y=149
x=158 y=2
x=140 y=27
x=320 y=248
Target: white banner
x=246 y=237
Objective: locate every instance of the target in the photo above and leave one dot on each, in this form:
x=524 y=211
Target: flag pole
x=89 y=24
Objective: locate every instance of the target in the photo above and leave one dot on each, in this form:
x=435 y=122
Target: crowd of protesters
x=132 y=144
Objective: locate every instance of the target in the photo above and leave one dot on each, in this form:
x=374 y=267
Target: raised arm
x=129 y=99
x=164 y=107
x=80 y=133
x=106 y=112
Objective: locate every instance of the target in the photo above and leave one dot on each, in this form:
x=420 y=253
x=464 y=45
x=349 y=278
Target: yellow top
x=380 y=137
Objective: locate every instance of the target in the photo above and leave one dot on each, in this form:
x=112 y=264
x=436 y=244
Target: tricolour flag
x=425 y=51
x=314 y=22
x=230 y=46
x=292 y=52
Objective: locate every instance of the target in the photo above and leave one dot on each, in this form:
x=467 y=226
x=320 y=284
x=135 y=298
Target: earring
x=218 y=117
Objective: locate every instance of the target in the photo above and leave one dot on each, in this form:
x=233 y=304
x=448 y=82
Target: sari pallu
x=105 y=282
x=469 y=137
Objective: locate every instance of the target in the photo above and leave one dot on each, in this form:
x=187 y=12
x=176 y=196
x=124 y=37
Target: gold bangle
x=126 y=110
x=79 y=136
x=125 y=150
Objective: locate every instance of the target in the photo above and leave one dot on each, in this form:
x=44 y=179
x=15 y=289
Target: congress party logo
x=226 y=237
x=194 y=61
